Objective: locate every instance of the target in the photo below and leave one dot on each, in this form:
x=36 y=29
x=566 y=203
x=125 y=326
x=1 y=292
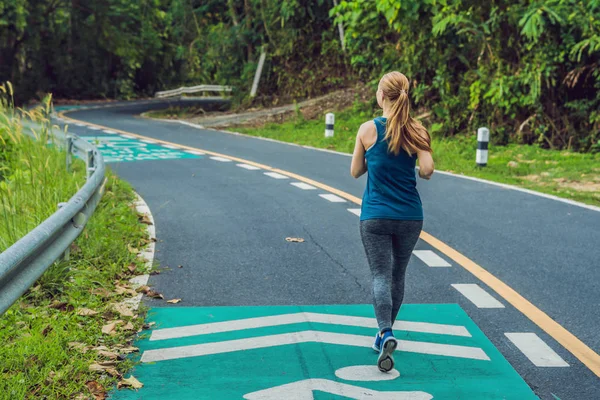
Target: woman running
x=391 y=216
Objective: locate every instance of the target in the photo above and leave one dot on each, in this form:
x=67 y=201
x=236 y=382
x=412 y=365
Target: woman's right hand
x=426 y=165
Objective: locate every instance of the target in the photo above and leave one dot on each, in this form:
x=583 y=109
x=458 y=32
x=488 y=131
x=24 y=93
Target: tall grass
x=33 y=174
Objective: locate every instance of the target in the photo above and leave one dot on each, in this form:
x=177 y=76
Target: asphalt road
x=227 y=226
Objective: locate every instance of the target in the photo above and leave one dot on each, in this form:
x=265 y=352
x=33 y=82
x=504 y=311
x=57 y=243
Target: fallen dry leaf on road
x=109 y=329
x=144 y=219
x=148 y=325
x=86 y=312
x=59 y=305
x=96 y=390
x=108 y=354
x=109 y=369
x=129 y=327
x=110 y=363
x=79 y=346
x=128 y=350
x=125 y=289
x=100 y=348
x=153 y=294
x=101 y=292
x=174 y=301
x=132 y=267
x=143 y=289
x=294 y=239
x=123 y=310
x=132 y=249
x=130 y=382
x=113 y=372
x=97 y=368
x=180 y=266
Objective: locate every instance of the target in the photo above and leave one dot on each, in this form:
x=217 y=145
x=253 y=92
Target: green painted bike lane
x=118 y=148
x=317 y=352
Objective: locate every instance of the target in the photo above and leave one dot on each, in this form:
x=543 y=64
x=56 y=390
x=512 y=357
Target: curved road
x=226 y=225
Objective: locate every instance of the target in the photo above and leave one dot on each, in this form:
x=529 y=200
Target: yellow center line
x=569 y=341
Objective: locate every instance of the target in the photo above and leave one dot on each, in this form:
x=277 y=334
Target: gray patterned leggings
x=388 y=245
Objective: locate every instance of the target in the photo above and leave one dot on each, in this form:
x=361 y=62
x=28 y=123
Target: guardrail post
x=66 y=256
x=89 y=163
x=69 y=151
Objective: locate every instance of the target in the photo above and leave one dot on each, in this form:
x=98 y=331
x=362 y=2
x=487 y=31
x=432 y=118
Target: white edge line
x=536 y=349
x=502 y=185
x=519 y=189
x=355 y=211
x=147 y=254
x=332 y=198
x=477 y=295
x=276 y=175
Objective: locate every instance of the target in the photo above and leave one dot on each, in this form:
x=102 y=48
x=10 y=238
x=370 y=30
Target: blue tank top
x=391 y=191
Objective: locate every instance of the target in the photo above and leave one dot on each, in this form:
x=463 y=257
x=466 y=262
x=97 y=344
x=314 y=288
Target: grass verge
x=566 y=174
x=67 y=337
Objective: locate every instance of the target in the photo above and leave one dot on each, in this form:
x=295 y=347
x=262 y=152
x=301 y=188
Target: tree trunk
x=248 y=18
x=232 y=12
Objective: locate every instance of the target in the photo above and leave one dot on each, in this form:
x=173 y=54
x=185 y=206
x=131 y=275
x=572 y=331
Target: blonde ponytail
x=402 y=131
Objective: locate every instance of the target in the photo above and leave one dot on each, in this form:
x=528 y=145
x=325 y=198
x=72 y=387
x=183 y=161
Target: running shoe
x=377 y=345
x=385 y=361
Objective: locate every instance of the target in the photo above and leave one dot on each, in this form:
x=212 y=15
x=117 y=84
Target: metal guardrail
x=26 y=260
x=192 y=89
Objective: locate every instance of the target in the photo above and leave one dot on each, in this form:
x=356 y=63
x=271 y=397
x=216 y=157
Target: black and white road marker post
x=483 y=138
x=329 y=120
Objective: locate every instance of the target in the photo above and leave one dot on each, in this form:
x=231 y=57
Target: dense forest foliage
x=529 y=69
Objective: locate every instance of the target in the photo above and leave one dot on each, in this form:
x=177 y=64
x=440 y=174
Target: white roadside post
x=483 y=138
x=329 y=121
x=261 y=62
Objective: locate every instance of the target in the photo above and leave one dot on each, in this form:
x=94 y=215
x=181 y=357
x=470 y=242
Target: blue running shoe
x=377 y=345
x=385 y=361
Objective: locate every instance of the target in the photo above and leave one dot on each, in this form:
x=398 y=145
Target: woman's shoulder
x=368 y=134
x=368 y=126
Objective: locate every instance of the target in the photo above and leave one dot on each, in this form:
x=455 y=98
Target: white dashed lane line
x=109 y=132
x=221 y=159
x=170 y=147
x=248 y=167
x=275 y=175
x=536 y=350
x=129 y=137
x=196 y=153
x=332 y=198
x=431 y=259
x=477 y=295
x=148 y=141
x=303 y=186
x=94 y=128
x=355 y=211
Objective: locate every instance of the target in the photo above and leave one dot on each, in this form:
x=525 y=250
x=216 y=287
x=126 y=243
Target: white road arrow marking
x=343 y=339
x=303 y=390
x=297 y=318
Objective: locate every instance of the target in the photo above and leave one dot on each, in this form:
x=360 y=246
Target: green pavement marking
x=317 y=352
x=119 y=149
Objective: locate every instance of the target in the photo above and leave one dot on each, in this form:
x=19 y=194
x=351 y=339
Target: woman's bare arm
x=359 y=164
